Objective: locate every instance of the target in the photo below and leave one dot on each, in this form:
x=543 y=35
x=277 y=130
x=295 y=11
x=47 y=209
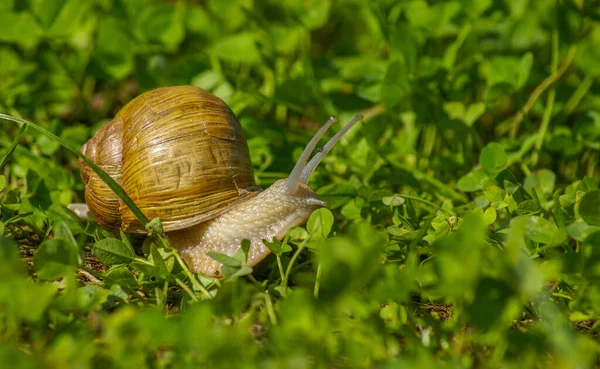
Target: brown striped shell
x=179 y=153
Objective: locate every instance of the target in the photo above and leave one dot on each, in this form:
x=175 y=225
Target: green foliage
x=463 y=220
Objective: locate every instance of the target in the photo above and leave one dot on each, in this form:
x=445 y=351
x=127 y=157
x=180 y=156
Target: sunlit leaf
x=112 y=251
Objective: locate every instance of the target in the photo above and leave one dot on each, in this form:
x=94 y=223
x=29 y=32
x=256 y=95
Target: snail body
x=270 y=214
x=180 y=154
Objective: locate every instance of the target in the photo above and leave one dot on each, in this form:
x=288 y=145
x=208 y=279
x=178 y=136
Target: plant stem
x=270 y=309
x=550 y=100
x=441 y=186
x=318 y=281
x=280 y=266
x=186 y=289
x=547 y=82
x=579 y=93
x=288 y=271
x=527 y=144
x=14 y=145
x=418 y=199
x=197 y=285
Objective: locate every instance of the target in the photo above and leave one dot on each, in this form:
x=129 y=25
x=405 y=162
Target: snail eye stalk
x=294 y=177
x=316 y=160
x=304 y=168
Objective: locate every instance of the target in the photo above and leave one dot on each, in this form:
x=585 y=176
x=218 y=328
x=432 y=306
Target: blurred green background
x=467 y=209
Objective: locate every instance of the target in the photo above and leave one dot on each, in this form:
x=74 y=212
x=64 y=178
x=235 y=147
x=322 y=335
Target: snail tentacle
x=294 y=177
x=308 y=170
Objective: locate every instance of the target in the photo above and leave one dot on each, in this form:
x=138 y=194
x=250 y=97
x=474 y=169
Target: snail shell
x=179 y=153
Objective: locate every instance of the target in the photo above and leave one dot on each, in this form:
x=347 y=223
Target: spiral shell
x=179 y=153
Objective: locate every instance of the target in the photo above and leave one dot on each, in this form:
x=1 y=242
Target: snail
x=180 y=154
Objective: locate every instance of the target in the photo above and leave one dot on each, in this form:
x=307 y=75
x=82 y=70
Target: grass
x=463 y=216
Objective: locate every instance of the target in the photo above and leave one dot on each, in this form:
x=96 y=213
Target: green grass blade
x=118 y=190
x=14 y=145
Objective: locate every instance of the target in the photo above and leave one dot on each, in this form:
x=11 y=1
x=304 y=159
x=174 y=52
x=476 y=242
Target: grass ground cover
x=463 y=219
